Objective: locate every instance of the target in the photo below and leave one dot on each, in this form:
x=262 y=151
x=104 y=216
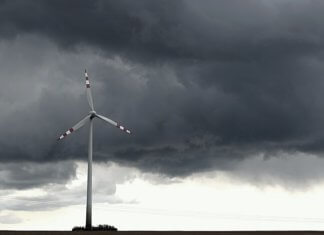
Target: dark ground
x=163 y=233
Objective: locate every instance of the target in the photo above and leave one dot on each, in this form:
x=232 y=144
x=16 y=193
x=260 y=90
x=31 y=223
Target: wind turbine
x=92 y=114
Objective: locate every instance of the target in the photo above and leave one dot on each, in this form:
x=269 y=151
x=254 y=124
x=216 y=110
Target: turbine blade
x=75 y=127
x=113 y=123
x=88 y=89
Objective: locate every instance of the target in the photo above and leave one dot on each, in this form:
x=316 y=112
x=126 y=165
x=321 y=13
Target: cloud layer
x=202 y=86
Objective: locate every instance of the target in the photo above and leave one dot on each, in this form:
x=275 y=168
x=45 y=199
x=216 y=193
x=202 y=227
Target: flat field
x=163 y=233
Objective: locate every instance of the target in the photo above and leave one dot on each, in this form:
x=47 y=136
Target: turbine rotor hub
x=93 y=114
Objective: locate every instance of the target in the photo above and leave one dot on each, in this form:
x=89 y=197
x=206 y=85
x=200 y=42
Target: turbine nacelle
x=92 y=114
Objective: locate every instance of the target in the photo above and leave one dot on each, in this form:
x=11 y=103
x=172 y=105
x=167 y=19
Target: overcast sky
x=228 y=87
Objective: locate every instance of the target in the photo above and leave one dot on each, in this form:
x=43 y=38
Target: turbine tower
x=92 y=114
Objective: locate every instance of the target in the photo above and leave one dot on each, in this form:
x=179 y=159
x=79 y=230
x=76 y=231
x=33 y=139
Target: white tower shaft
x=89 y=183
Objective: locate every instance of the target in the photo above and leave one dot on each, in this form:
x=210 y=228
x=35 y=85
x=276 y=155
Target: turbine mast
x=89 y=183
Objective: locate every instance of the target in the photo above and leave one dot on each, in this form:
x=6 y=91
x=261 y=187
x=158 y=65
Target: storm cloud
x=202 y=85
x=72 y=190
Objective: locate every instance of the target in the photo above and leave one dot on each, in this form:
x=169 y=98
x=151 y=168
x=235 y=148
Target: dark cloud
x=57 y=189
x=202 y=85
x=293 y=171
x=173 y=29
x=124 y=26
x=31 y=175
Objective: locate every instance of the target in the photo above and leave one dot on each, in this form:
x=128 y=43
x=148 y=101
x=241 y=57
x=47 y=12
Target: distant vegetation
x=100 y=227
